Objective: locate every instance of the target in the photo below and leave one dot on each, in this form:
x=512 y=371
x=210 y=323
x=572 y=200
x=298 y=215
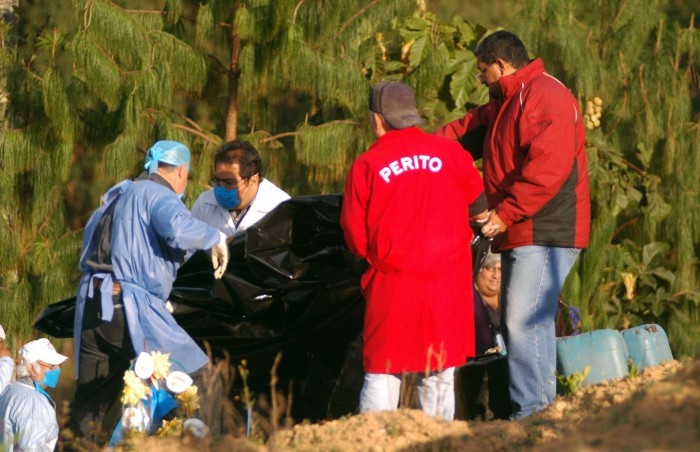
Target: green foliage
x=641 y=288
x=633 y=370
x=88 y=94
x=643 y=160
x=569 y=384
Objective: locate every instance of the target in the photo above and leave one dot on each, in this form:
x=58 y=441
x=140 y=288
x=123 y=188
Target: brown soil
x=659 y=409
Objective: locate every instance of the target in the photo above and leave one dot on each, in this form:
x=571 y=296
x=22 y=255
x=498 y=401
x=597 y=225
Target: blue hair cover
x=165 y=151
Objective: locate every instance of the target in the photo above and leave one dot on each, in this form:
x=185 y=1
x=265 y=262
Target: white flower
x=196 y=428
x=178 y=381
x=135 y=418
x=144 y=366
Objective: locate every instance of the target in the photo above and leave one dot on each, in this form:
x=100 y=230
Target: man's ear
x=31 y=370
x=501 y=63
x=505 y=67
x=182 y=172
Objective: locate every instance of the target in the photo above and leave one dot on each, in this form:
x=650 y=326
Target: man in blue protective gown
x=132 y=247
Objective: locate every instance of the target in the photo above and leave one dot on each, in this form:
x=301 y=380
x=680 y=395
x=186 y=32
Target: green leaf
x=395 y=66
x=653 y=250
x=657 y=208
x=620 y=202
x=416 y=23
x=462 y=83
x=644 y=154
x=634 y=194
x=418 y=51
x=664 y=274
x=466 y=31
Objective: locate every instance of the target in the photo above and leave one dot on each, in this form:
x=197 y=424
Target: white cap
x=2 y=333
x=41 y=350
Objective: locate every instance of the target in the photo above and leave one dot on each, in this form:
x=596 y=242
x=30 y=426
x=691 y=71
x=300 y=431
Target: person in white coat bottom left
x=27 y=412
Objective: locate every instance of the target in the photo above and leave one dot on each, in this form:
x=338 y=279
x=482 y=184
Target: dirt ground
x=656 y=410
x=659 y=409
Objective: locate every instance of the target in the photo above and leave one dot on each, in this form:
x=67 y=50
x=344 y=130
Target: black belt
x=116 y=287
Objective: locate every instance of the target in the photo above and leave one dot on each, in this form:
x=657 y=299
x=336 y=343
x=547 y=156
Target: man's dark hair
x=504 y=45
x=242 y=153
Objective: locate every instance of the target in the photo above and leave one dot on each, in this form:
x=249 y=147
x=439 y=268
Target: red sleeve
x=353 y=216
x=476 y=184
x=548 y=134
x=456 y=129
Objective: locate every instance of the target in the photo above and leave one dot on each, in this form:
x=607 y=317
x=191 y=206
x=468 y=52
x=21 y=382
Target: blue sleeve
x=176 y=225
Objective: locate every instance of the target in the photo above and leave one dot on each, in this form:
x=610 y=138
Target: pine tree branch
x=293 y=134
x=624 y=225
x=280 y=135
x=355 y=16
x=140 y=11
x=193 y=123
x=47 y=218
x=197 y=133
x=296 y=10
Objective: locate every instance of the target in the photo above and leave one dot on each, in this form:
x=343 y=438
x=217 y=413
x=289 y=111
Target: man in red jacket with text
x=406 y=209
x=536 y=182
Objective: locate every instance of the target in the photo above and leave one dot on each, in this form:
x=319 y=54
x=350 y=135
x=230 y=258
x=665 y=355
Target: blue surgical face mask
x=50 y=379
x=226 y=197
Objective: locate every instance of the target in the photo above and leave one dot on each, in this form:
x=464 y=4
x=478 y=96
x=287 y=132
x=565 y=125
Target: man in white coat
x=27 y=412
x=240 y=195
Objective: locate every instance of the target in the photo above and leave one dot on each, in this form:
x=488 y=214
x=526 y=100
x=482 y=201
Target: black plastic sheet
x=291 y=286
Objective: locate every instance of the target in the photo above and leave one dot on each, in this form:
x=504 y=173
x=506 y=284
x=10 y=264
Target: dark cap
x=396 y=103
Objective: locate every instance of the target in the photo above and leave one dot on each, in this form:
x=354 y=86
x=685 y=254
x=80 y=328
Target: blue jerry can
x=647 y=345
x=604 y=352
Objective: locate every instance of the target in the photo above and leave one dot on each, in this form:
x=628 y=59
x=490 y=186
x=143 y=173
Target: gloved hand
x=219 y=257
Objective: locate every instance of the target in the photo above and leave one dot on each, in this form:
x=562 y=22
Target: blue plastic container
x=604 y=352
x=647 y=345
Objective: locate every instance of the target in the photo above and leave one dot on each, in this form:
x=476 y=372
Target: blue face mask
x=181 y=195
x=226 y=197
x=50 y=379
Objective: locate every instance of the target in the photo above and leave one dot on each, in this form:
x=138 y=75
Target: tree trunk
x=233 y=76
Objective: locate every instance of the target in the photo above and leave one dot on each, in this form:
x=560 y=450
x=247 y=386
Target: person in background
x=7 y=364
x=240 y=196
x=487 y=286
x=27 y=412
x=132 y=247
x=406 y=209
x=536 y=182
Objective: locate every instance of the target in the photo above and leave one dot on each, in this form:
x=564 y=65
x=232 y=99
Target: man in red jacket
x=406 y=209
x=536 y=182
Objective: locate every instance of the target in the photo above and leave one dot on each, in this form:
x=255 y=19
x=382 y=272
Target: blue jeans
x=531 y=281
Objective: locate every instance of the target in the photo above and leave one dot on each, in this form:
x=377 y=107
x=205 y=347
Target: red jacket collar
x=510 y=84
x=397 y=134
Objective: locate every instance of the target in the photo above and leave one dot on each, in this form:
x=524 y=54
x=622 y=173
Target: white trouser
x=381 y=392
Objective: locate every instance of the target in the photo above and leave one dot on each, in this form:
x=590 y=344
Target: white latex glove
x=2 y=333
x=219 y=257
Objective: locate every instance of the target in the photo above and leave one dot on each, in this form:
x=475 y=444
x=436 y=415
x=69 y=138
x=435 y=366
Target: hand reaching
x=219 y=257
